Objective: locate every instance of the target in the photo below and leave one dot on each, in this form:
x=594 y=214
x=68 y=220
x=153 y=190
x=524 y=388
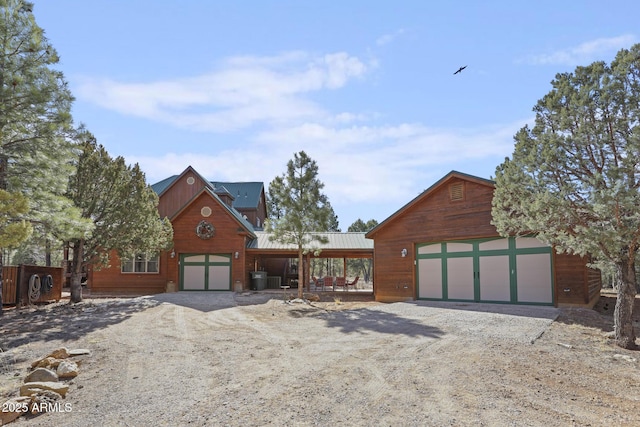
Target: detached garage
x=442 y=246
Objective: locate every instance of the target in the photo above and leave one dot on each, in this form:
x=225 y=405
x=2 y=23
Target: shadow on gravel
x=365 y=320
x=64 y=321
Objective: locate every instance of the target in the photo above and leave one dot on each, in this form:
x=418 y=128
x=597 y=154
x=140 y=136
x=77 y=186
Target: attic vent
x=205 y=211
x=456 y=191
x=191 y=180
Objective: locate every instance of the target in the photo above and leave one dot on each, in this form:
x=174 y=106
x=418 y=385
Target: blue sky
x=366 y=88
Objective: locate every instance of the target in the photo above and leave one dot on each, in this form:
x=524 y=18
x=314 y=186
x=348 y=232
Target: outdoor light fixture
x=236 y=255
x=173 y=253
x=403 y=252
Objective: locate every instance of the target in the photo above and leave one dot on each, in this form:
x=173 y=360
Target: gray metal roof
x=246 y=194
x=344 y=241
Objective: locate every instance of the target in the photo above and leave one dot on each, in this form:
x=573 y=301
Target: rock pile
x=45 y=385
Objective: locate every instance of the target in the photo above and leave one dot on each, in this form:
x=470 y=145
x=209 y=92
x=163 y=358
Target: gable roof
x=426 y=193
x=246 y=195
x=234 y=213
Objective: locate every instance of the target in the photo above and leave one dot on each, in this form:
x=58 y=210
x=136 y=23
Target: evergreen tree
x=123 y=208
x=574 y=179
x=35 y=115
x=303 y=210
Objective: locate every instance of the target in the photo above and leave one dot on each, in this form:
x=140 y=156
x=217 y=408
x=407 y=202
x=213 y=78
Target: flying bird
x=460 y=69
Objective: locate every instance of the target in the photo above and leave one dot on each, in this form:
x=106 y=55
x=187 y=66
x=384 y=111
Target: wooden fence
x=10 y=285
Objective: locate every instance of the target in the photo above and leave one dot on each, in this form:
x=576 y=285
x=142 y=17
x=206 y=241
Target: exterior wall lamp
x=236 y=255
x=403 y=252
x=173 y=253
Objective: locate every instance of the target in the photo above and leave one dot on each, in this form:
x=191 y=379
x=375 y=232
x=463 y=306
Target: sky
x=366 y=88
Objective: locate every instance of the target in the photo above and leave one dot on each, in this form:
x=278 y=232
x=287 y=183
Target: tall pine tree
x=302 y=209
x=35 y=118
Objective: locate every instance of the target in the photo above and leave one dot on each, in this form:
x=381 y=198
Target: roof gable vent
x=456 y=191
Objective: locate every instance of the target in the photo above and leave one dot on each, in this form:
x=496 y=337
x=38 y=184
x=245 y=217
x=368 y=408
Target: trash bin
x=258 y=280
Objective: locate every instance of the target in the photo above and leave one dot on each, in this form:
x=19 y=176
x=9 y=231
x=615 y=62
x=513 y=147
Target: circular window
x=205 y=211
x=191 y=180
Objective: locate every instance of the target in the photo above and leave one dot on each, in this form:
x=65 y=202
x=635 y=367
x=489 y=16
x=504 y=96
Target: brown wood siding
x=24 y=275
x=435 y=218
x=9 y=285
x=179 y=193
x=112 y=281
x=575 y=283
x=227 y=240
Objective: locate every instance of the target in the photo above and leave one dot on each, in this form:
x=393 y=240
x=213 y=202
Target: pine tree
x=35 y=105
x=574 y=179
x=123 y=208
x=303 y=210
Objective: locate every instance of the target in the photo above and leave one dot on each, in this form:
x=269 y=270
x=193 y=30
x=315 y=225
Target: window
x=141 y=263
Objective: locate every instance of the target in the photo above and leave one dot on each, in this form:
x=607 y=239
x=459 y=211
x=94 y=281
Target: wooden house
x=442 y=246
x=212 y=223
x=218 y=243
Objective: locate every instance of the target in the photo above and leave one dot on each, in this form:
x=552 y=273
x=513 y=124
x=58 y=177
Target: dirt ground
x=251 y=359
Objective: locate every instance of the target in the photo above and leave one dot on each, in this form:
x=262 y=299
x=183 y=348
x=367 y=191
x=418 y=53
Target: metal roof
x=246 y=194
x=339 y=241
x=159 y=187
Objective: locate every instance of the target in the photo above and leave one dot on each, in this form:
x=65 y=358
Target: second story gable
x=246 y=198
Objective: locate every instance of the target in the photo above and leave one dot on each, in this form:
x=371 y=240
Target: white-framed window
x=141 y=263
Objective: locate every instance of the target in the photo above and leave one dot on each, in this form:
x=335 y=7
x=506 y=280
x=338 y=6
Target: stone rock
x=79 y=352
x=14 y=408
x=67 y=369
x=61 y=353
x=625 y=357
x=47 y=362
x=30 y=389
x=42 y=401
x=41 y=374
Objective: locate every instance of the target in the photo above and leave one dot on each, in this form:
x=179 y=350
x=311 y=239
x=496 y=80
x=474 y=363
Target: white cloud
x=356 y=164
x=594 y=50
x=244 y=91
x=386 y=39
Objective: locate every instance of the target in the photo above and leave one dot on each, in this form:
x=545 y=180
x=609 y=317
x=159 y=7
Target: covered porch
x=343 y=264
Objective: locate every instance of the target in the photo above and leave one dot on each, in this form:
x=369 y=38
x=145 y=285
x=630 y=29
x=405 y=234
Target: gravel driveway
x=250 y=359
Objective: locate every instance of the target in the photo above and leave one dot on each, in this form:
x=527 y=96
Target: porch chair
x=341 y=282
x=328 y=282
x=317 y=283
x=354 y=283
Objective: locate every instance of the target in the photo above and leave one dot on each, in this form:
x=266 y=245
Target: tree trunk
x=623 y=314
x=300 y=274
x=76 y=271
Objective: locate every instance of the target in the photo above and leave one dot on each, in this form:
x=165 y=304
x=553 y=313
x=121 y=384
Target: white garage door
x=205 y=272
x=514 y=270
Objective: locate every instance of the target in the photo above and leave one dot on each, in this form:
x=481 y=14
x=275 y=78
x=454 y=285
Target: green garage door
x=513 y=270
x=205 y=272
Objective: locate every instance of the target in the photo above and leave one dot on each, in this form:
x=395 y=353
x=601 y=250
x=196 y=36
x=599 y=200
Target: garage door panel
x=193 y=278
x=494 y=278
x=219 y=277
x=460 y=278
x=430 y=277
x=534 y=278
